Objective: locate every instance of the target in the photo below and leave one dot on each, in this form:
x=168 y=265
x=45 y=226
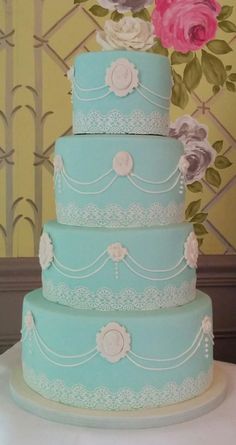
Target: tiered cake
x=118 y=324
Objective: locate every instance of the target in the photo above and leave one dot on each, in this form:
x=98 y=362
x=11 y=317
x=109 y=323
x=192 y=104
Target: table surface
x=18 y=427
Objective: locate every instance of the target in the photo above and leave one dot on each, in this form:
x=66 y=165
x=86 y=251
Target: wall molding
x=216 y=276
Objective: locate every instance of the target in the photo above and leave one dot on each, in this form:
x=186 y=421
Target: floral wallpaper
x=38 y=41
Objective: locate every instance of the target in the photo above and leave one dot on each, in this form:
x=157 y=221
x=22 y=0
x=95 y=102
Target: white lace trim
x=115 y=122
x=114 y=216
x=124 y=399
x=105 y=299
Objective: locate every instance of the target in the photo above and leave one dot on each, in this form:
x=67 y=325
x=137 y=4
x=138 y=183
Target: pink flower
x=185 y=25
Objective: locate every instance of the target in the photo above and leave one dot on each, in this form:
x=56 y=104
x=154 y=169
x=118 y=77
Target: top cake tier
x=121 y=92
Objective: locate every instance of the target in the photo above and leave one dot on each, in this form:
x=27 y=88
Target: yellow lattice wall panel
x=44 y=37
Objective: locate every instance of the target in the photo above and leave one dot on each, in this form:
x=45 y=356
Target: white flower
x=70 y=74
x=58 y=164
x=113 y=342
x=117 y=252
x=124 y=5
x=207 y=325
x=183 y=165
x=123 y=163
x=29 y=321
x=191 y=250
x=129 y=33
x=122 y=77
x=45 y=251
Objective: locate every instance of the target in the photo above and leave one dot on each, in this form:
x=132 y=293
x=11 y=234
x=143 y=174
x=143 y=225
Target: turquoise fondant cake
x=118 y=324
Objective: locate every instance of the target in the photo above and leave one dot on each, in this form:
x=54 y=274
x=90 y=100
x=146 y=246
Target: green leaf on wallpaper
x=200 y=241
x=230 y=86
x=199 y=229
x=192 y=74
x=232 y=77
x=179 y=95
x=176 y=77
x=192 y=208
x=227 y=26
x=225 y=12
x=228 y=67
x=219 y=46
x=179 y=92
x=157 y=48
x=98 y=11
x=222 y=162
x=195 y=187
x=116 y=16
x=213 y=177
x=199 y=217
x=143 y=14
x=213 y=69
x=79 y=1
x=177 y=57
x=218 y=145
x=215 y=89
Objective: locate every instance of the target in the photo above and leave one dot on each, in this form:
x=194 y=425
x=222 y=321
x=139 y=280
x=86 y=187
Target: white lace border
x=105 y=299
x=116 y=122
x=114 y=216
x=125 y=399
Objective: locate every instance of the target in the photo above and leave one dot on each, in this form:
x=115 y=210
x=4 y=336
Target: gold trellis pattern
x=38 y=40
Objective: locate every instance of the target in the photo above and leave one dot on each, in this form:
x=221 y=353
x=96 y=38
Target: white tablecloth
x=18 y=427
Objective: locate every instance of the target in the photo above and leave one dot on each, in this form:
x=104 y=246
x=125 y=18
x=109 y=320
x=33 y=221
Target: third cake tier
x=119 y=269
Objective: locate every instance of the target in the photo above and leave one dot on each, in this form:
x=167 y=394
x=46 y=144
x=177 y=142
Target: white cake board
x=146 y=418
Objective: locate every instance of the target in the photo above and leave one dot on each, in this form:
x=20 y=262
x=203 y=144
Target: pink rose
x=185 y=25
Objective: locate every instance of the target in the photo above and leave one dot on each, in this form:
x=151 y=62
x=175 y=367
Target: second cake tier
x=129 y=269
x=119 y=181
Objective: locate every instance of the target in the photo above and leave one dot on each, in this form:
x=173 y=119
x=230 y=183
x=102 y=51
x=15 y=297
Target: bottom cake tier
x=117 y=360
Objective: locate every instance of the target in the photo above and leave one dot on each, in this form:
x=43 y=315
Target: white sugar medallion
x=123 y=163
x=58 y=164
x=117 y=252
x=45 y=251
x=122 y=77
x=113 y=342
x=207 y=325
x=191 y=250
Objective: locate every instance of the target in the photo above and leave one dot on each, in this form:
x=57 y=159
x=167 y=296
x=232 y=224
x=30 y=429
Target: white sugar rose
x=207 y=325
x=29 y=321
x=128 y=33
x=117 y=252
x=45 y=251
x=58 y=164
x=125 y=5
x=191 y=250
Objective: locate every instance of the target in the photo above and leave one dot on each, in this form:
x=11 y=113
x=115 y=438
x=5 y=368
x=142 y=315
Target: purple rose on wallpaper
x=185 y=25
x=125 y=5
x=198 y=153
